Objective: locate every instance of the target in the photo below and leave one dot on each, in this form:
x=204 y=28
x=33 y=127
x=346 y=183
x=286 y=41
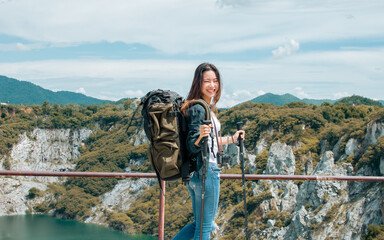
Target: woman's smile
x=209 y=86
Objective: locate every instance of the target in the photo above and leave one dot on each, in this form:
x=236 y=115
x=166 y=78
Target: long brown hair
x=195 y=91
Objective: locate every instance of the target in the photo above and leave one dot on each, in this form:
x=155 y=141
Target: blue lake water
x=43 y=227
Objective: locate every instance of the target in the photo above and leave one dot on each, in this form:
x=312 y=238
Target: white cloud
x=341 y=95
x=81 y=90
x=227 y=102
x=134 y=93
x=232 y=3
x=300 y=93
x=20 y=46
x=151 y=70
x=241 y=94
x=288 y=49
x=230 y=98
x=260 y=93
x=172 y=26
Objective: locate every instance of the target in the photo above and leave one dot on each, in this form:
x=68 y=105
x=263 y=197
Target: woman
x=206 y=85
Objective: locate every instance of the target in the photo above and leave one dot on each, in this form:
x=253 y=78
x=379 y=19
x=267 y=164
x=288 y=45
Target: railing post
x=161 y=211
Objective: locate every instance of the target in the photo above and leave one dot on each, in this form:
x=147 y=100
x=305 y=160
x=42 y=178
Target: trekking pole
x=241 y=145
x=205 y=159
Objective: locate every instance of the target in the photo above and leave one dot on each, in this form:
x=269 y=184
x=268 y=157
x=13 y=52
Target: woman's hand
x=237 y=134
x=205 y=130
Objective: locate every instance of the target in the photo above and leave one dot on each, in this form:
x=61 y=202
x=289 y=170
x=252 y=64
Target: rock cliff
x=324 y=209
x=47 y=150
x=314 y=209
x=40 y=150
x=58 y=150
x=121 y=197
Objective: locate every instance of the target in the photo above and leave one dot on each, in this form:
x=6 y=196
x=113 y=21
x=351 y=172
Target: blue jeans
x=211 y=201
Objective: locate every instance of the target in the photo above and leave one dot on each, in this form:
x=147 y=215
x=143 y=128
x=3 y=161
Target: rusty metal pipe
x=306 y=177
x=78 y=174
x=161 y=211
x=222 y=176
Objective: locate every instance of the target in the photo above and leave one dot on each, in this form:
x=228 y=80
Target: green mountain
x=317 y=101
x=281 y=100
x=276 y=99
x=359 y=100
x=22 y=92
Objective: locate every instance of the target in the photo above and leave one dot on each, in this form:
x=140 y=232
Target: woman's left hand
x=237 y=134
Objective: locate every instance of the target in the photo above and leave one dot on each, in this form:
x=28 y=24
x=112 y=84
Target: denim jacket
x=195 y=115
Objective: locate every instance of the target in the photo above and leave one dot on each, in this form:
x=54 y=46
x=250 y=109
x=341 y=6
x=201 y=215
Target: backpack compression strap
x=205 y=105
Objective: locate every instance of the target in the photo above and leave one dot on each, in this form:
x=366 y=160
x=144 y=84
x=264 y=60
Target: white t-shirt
x=213 y=155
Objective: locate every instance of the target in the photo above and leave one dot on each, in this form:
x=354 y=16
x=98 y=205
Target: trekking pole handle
x=205 y=148
x=240 y=139
x=207 y=122
x=240 y=143
x=239 y=124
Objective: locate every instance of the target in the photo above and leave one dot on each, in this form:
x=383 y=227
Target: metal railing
x=162 y=197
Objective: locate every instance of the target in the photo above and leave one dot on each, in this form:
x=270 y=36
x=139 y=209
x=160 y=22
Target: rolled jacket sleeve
x=195 y=116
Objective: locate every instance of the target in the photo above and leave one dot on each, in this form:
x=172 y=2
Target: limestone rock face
x=13 y=195
x=336 y=149
x=374 y=131
x=127 y=190
x=261 y=145
x=352 y=147
x=124 y=193
x=316 y=198
x=321 y=209
x=280 y=160
x=40 y=150
x=382 y=165
x=232 y=151
x=284 y=193
x=140 y=138
x=338 y=210
x=119 y=199
x=47 y=150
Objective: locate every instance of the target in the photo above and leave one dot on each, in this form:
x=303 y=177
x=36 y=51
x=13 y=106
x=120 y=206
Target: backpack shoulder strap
x=205 y=105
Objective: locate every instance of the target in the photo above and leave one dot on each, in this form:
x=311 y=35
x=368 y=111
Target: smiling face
x=206 y=84
x=209 y=86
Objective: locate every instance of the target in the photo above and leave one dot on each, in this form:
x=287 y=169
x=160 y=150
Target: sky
x=113 y=49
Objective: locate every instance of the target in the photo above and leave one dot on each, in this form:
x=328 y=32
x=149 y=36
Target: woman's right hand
x=205 y=130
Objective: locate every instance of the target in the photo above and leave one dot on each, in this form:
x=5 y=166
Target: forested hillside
x=281 y=100
x=309 y=130
x=359 y=100
x=14 y=91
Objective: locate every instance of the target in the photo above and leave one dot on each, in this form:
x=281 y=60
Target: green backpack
x=166 y=128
